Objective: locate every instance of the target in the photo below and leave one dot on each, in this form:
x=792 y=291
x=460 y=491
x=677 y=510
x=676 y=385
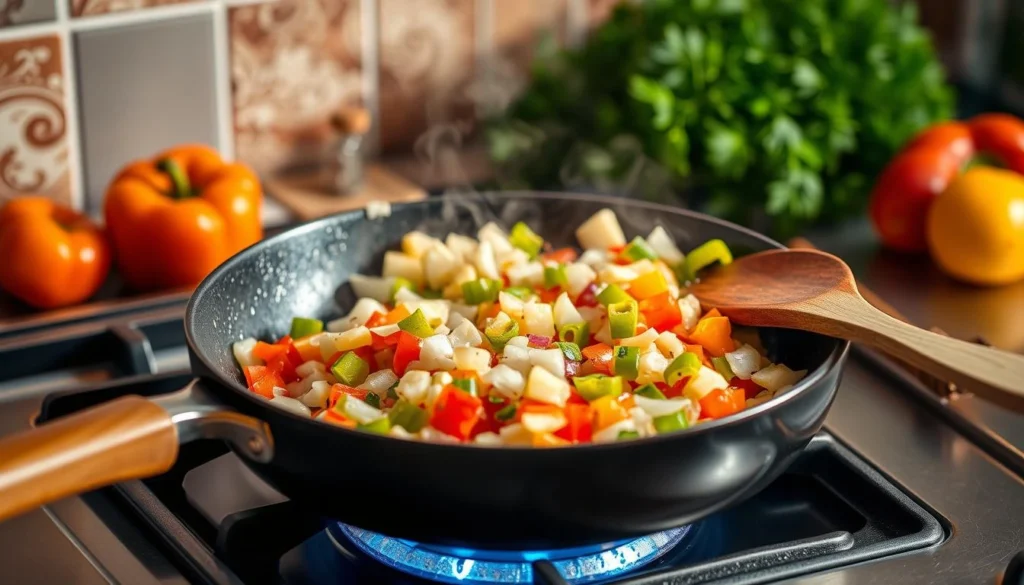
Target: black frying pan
x=505 y=498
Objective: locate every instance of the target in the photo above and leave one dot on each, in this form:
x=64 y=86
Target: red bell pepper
x=600 y=355
x=262 y=380
x=924 y=168
x=580 y=428
x=268 y=351
x=455 y=412
x=407 y=351
x=749 y=388
x=376 y=320
x=560 y=256
x=338 y=389
x=588 y=298
x=661 y=312
x=722 y=402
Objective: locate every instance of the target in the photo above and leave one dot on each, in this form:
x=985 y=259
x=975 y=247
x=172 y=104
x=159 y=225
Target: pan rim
x=834 y=360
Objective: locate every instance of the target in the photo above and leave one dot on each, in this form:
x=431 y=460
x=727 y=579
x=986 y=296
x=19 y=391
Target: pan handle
x=128 y=438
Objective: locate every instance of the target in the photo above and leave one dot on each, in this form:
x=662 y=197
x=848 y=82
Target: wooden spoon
x=815 y=291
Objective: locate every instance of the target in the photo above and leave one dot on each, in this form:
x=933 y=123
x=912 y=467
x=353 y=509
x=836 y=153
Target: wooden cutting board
x=307 y=199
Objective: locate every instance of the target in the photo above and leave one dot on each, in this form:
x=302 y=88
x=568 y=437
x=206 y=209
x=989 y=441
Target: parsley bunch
x=787 y=107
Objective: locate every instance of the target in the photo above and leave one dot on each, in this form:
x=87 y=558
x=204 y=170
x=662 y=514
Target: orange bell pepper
x=600 y=354
x=715 y=334
x=51 y=256
x=660 y=312
x=177 y=217
x=648 y=285
x=580 y=426
x=607 y=411
x=722 y=402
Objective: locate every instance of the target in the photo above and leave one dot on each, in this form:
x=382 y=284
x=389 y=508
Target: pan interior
x=305 y=271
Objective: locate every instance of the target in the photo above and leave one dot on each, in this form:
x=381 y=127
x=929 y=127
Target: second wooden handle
x=128 y=438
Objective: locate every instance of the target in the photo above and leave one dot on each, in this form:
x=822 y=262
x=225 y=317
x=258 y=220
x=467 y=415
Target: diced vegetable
x=543 y=386
x=416 y=324
x=360 y=313
x=601 y=231
x=542 y=418
x=350 y=369
x=475 y=359
x=525 y=239
x=506 y=381
x=413 y=387
x=670 y=423
x=648 y=285
x=722 y=402
x=776 y=376
x=612 y=294
x=291 y=405
x=665 y=247
x=455 y=412
x=597 y=386
x=708 y=253
x=381 y=426
x=555 y=276
x=685 y=366
x=715 y=334
x=243 y=353
x=689 y=309
x=622 y=319
x=304 y=326
x=538 y=319
x=578 y=333
x=481 y=290
x=501 y=330
x=703 y=382
x=570 y=350
x=436 y=353
x=744 y=361
x=638 y=249
x=721 y=366
x=626 y=362
x=399 y=265
x=578 y=276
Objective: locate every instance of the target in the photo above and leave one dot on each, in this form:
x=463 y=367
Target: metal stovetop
x=881 y=416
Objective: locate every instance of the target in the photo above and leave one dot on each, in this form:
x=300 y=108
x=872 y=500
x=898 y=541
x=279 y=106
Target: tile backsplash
x=89 y=85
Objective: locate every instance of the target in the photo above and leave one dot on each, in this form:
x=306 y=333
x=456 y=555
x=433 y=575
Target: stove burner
x=462 y=566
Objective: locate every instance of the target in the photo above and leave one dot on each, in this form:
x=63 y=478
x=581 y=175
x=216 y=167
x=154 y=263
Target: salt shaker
x=343 y=169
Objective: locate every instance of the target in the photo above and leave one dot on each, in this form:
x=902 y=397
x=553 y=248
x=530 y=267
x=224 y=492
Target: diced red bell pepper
x=580 y=428
x=560 y=256
x=283 y=365
x=749 y=387
x=455 y=412
x=380 y=342
x=376 y=320
x=588 y=298
x=406 y=352
x=268 y=351
x=284 y=340
x=337 y=419
x=574 y=397
x=548 y=295
x=674 y=391
x=661 y=312
x=600 y=355
x=262 y=380
x=338 y=389
x=722 y=402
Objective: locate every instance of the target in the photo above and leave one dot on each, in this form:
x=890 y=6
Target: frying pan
x=499 y=498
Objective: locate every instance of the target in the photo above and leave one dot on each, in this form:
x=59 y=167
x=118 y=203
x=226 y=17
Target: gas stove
x=897 y=488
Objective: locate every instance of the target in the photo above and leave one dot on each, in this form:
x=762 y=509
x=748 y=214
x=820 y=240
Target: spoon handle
x=993 y=374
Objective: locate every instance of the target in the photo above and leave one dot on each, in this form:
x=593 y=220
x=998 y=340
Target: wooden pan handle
x=128 y=438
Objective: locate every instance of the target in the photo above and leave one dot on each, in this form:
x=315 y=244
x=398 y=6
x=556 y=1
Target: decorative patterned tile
x=426 y=67
x=293 y=64
x=33 y=143
x=90 y=7
x=14 y=12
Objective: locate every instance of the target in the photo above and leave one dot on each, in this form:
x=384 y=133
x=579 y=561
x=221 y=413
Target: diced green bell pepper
x=350 y=369
x=612 y=294
x=626 y=362
x=687 y=364
x=381 y=426
x=649 y=391
x=705 y=255
x=525 y=239
x=481 y=290
x=578 y=333
x=408 y=416
x=416 y=324
x=570 y=350
x=622 y=319
x=670 y=422
x=304 y=326
x=638 y=249
x=596 y=386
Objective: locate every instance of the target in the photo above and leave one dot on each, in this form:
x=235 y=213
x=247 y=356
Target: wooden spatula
x=815 y=291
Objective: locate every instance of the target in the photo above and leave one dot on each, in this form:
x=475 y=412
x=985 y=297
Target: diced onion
x=465 y=273
x=495 y=236
x=318 y=395
x=385 y=330
x=514 y=257
x=399 y=432
x=744 y=361
x=565 y=312
x=552 y=360
x=360 y=411
x=485 y=262
x=413 y=386
x=578 y=276
x=359 y=315
x=488 y=439
x=441 y=379
x=538 y=319
x=467 y=311
x=643 y=422
x=462 y=246
x=416 y=243
x=543 y=386
x=595 y=259
x=379 y=381
x=616 y=274
x=689 y=307
x=642 y=340
x=302 y=386
x=610 y=433
x=307 y=368
x=378 y=209
x=601 y=231
x=243 y=353
x=472 y=358
x=332 y=343
x=432 y=435
x=651 y=368
x=399 y=265
x=519 y=341
x=506 y=381
x=406 y=295
x=465 y=335
x=378 y=289
x=703 y=383
x=664 y=246
x=530 y=274
x=517 y=358
x=439 y=266
x=291 y=404
x=669 y=344
x=510 y=305
x=658 y=407
x=515 y=434
x=436 y=353
x=776 y=376
x=543 y=422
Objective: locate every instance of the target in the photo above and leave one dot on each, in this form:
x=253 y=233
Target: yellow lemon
x=976 y=227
